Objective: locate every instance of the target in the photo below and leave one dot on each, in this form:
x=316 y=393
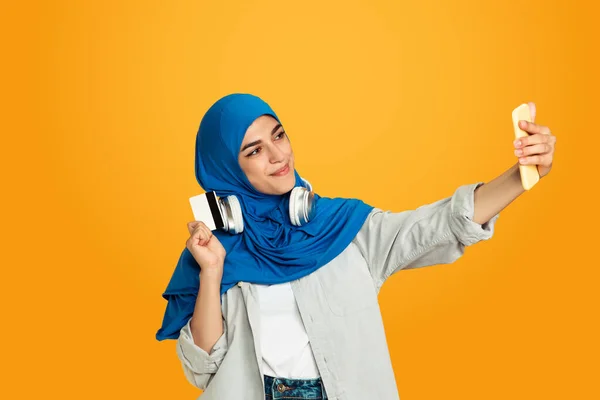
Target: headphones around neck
x=225 y=213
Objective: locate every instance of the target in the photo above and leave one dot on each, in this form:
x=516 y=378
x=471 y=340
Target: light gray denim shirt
x=338 y=305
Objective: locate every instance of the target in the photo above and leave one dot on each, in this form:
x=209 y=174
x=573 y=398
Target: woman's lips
x=283 y=171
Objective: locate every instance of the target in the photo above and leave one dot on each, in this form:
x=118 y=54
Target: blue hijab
x=270 y=250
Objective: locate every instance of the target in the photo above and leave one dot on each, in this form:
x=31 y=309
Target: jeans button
x=281 y=388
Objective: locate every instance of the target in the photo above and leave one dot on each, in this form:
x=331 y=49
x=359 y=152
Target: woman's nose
x=276 y=154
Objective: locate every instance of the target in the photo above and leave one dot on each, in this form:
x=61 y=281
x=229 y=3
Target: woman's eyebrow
x=260 y=141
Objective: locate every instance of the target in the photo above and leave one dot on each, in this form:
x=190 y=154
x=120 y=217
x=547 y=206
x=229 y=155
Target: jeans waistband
x=286 y=388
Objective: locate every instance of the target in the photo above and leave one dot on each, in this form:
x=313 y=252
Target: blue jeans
x=283 y=388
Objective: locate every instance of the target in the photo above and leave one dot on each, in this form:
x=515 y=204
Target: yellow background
x=396 y=103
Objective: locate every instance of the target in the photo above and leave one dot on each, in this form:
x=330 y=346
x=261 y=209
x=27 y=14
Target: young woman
x=285 y=306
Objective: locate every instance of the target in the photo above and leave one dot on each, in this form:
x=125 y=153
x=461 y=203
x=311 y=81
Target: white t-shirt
x=286 y=351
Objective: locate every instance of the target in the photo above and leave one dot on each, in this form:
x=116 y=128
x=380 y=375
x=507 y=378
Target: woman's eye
x=257 y=150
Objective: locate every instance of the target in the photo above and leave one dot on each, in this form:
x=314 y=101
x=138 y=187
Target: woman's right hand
x=208 y=252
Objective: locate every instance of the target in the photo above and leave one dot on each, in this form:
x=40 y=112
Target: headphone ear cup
x=292 y=210
x=236 y=211
x=302 y=206
x=232 y=215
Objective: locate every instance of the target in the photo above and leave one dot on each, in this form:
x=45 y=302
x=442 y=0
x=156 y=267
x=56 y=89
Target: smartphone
x=529 y=173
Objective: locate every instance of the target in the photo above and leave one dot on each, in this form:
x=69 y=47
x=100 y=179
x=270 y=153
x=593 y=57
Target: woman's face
x=265 y=150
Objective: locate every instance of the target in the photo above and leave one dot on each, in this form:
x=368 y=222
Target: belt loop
x=272 y=386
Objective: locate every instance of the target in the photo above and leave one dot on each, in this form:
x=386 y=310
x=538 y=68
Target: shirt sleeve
x=435 y=233
x=199 y=366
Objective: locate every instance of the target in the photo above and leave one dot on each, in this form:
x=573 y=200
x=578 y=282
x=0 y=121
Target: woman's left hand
x=538 y=147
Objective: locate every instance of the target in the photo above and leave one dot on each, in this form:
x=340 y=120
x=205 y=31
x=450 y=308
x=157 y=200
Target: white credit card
x=206 y=209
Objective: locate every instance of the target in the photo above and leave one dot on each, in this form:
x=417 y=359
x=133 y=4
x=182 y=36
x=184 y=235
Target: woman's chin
x=285 y=187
